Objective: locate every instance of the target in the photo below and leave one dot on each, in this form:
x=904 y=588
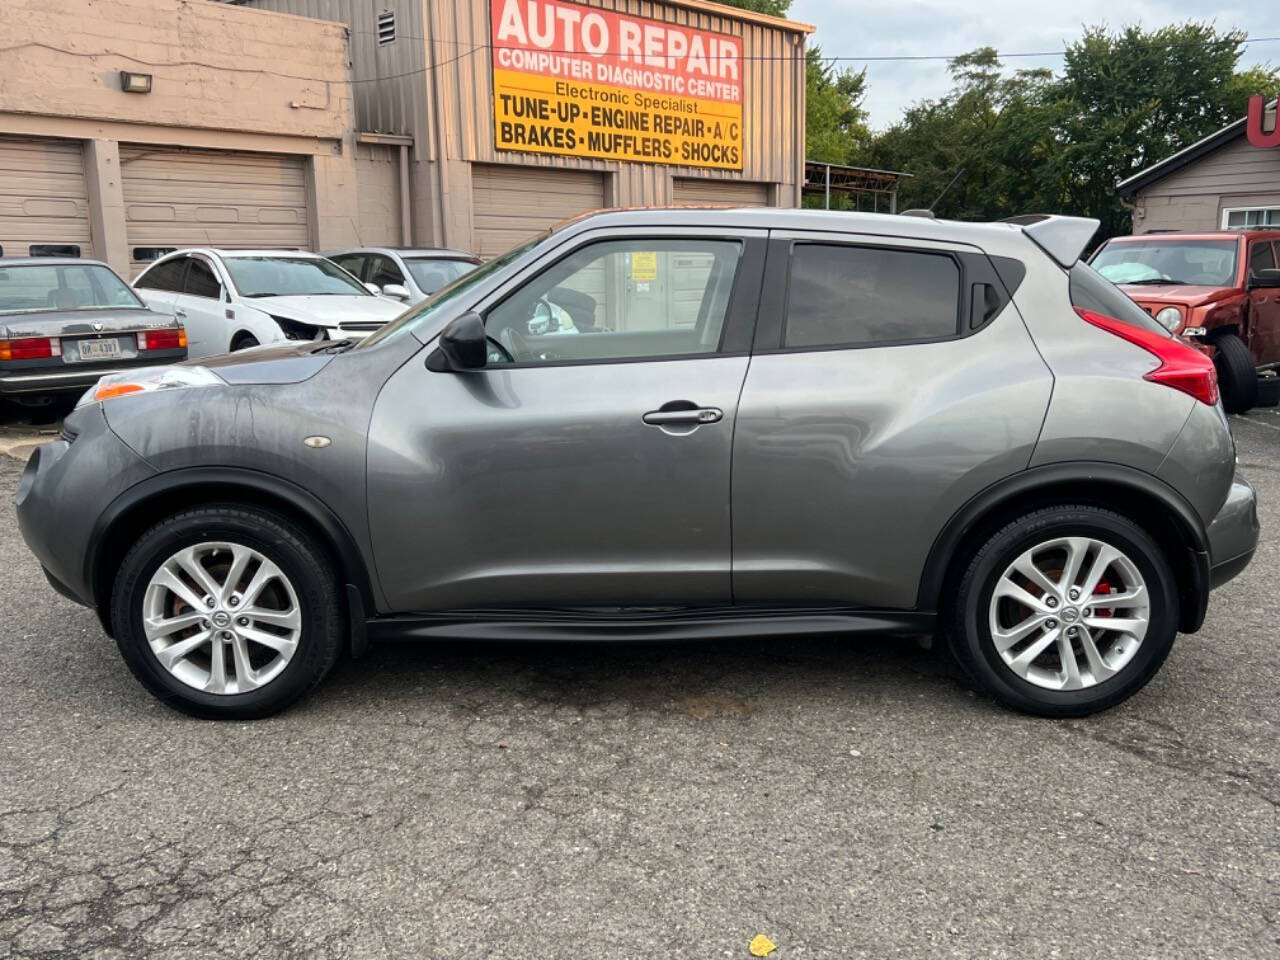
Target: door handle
x=180 y=313
x=693 y=415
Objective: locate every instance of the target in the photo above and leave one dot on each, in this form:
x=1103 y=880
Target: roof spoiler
x=1063 y=238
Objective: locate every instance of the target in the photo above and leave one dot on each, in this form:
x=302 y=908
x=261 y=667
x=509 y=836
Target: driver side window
x=621 y=300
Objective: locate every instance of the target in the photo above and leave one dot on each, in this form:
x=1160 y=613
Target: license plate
x=99 y=349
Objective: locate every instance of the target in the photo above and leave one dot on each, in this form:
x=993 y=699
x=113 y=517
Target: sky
x=937 y=27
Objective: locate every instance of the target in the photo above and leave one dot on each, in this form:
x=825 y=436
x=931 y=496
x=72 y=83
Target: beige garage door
x=735 y=192
x=193 y=198
x=511 y=204
x=44 y=199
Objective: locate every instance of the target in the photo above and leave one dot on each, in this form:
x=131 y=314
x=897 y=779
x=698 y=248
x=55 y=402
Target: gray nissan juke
x=671 y=424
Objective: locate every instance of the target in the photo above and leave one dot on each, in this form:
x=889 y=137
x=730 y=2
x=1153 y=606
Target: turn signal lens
x=30 y=348
x=116 y=390
x=1181 y=367
x=162 y=339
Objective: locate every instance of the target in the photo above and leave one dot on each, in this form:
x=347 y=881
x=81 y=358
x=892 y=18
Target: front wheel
x=1237 y=376
x=1065 y=611
x=227 y=612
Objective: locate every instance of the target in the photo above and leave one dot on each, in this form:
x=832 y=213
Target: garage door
x=193 y=198
x=512 y=204
x=44 y=200
x=734 y=192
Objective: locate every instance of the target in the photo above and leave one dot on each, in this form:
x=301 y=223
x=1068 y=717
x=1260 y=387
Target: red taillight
x=30 y=348
x=162 y=339
x=1181 y=367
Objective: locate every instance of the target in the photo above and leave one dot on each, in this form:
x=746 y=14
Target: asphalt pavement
x=849 y=799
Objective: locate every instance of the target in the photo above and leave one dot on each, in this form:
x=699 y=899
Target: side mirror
x=396 y=291
x=462 y=346
x=373 y=288
x=1264 y=279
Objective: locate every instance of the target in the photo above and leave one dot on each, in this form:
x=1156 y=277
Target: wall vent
x=386 y=27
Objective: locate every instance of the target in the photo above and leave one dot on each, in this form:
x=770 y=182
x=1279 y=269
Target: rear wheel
x=243 y=342
x=1237 y=376
x=1065 y=611
x=227 y=612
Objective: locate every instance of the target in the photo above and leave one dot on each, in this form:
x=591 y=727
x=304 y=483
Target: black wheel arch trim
x=1193 y=567
x=354 y=568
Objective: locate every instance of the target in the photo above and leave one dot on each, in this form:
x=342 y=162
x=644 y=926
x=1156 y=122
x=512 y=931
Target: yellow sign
x=644 y=267
x=579 y=81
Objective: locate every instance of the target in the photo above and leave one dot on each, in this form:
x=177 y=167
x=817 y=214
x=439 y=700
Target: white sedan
x=233 y=299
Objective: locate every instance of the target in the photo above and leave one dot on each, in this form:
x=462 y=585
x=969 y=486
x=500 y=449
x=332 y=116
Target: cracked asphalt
x=848 y=799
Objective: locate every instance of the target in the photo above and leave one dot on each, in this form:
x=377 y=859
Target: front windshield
x=418 y=320
x=292 y=277
x=1168 y=260
x=435 y=273
x=40 y=288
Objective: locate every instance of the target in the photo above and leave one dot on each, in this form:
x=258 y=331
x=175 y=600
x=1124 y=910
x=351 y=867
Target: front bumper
x=64 y=489
x=1233 y=533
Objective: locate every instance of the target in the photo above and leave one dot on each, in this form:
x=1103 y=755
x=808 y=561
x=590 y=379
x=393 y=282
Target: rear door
x=161 y=282
x=1264 y=307
x=586 y=467
x=891 y=381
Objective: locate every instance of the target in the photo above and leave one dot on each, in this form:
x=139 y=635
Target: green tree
x=1033 y=141
x=774 y=8
x=1131 y=98
x=835 y=122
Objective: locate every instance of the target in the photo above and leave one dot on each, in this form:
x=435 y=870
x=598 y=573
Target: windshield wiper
x=1154 y=282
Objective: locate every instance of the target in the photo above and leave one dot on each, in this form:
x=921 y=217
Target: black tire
x=1237 y=376
x=243 y=342
x=969 y=631
x=301 y=560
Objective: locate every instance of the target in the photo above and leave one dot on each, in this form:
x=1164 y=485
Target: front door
x=588 y=464
x=1264 y=307
x=202 y=310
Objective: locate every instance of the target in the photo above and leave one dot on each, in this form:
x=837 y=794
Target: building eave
x=1184 y=157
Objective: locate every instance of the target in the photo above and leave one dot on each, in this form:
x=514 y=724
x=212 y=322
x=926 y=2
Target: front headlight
x=1170 y=318
x=148 y=379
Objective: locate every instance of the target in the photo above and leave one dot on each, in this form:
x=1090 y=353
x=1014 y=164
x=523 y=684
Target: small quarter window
x=854 y=296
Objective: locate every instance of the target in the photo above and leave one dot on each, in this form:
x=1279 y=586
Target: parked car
x=66 y=322
x=409 y=275
x=1222 y=287
x=233 y=299
x=930 y=426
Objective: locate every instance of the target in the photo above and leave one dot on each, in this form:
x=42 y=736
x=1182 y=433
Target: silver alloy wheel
x=221 y=617
x=1069 y=613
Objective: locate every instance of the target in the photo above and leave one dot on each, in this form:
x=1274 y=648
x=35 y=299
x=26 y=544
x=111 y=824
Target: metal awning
x=824 y=179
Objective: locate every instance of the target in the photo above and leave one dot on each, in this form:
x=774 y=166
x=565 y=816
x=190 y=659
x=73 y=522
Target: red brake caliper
x=1103 y=589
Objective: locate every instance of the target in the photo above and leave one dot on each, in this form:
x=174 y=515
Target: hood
x=290 y=362
x=81 y=323
x=1171 y=294
x=335 y=312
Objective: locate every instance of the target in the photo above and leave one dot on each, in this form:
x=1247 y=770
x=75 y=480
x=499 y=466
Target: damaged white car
x=233 y=299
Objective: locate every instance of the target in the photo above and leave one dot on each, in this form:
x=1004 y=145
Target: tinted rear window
x=1092 y=291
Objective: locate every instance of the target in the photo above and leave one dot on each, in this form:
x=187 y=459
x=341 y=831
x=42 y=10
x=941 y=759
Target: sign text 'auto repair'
x=578 y=81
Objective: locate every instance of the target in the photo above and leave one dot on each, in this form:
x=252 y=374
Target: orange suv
x=1223 y=289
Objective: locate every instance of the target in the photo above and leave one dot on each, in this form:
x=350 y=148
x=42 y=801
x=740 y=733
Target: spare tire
x=1237 y=376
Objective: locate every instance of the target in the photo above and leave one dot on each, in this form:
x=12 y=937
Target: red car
x=1221 y=288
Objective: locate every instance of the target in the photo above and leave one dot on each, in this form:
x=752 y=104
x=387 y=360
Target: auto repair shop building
x=516 y=114
x=1228 y=180
x=129 y=128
